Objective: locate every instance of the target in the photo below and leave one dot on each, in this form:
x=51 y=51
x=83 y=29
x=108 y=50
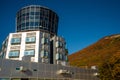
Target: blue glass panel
x=29 y=52
x=31 y=23
x=27 y=23
x=36 y=24
x=31 y=17
x=37 y=13
x=23 y=24
x=32 y=13
x=14 y=54
x=37 y=17
x=15 y=41
x=30 y=39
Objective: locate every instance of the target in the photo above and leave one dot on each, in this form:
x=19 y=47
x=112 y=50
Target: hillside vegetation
x=96 y=53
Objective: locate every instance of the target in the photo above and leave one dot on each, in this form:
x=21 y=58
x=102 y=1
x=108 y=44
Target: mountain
x=96 y=53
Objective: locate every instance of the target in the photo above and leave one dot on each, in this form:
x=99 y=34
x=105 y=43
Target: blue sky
x=81 y=22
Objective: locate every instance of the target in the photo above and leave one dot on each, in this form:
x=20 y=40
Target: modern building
x=36 y=17
x=36 y=37
x=35 y=51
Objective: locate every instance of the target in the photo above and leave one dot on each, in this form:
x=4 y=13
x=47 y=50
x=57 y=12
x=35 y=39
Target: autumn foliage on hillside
x=97 y=53
x=110 y=69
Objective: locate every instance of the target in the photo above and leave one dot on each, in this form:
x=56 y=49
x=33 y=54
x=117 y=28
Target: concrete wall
x=11 y=69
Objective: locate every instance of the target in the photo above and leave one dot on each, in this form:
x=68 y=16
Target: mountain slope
x=97 y=52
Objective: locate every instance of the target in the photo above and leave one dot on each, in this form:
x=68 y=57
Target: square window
x=37 y=13
x=31 y=23
x=32 y=13
x=36 y=24
x=27 y=23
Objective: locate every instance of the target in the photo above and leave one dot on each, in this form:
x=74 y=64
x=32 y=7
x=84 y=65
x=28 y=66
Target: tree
x=110 y=69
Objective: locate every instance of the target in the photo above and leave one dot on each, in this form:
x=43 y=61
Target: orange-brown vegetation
x=96 y=53
x=110 y=69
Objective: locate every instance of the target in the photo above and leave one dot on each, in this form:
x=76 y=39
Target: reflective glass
x=27 y=23
x=31 y=17
x=14 y=54
x=36 y=24
x=23 y=24
x=32 y=13
x=15 y=41
x=59 y=44
x=59 y=56
x=44 y=54
x=30 y=39
x=37 y=16
x=45 y=41
x=37 y=13
x=29 y=52
x=31 y=23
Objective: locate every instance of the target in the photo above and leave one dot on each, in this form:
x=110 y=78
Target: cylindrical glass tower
x=36 y=17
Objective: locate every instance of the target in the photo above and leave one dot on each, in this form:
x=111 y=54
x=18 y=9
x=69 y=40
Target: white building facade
x=35 y=46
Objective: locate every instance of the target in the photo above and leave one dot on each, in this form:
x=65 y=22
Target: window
x=59 y=44
x=31 y=23
x=36 y=24
x=44 y=54
x=31 y=17
x=23 y=24
x=27 y=23
x=37 y=17
x=59 y=56
x=15 y=41
x=37 y=13
x=66 y=58
x=14 y=54
x=4 y=78
x=30 y=39
x=32 y=13
x=45 y=41
x=29 y=52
